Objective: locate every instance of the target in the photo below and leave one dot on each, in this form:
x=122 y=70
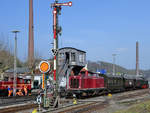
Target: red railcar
x=86 y=84
x=8 y=83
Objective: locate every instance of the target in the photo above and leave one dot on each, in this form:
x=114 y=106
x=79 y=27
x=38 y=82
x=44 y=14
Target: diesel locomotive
x=90 y=84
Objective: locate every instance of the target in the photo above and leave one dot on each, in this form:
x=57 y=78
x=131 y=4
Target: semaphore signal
x=62 y=4
x=56 y=31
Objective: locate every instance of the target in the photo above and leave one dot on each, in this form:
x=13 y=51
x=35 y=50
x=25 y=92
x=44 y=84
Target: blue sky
x=100 y=27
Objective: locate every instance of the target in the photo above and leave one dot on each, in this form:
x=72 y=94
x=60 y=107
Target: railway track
x=18 y=107
x=83 y=106
x=99 y=103
x=132 y=94
x=14 y=104
x=89 y=106
x=5 y=101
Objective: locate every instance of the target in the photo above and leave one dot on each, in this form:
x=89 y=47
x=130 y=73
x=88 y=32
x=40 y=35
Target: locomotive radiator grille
x=74 y=83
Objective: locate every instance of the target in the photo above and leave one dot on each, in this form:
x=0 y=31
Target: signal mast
x=56 y=31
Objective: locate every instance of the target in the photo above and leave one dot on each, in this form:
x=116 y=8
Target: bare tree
x=6 y=56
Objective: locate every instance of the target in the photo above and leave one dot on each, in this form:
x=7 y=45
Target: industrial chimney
x=137 y=58
x=31 y=36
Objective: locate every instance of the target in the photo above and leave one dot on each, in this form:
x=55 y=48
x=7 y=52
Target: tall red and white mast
x=55 y=41
x=56 y=31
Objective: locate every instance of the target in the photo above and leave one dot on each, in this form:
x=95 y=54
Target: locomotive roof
x=72 y=48
x=133 y=77
x=139 y=78
x=113 y=76
x=129 y=76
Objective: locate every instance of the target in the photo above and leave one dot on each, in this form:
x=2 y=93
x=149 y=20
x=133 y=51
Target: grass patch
x=143 y=107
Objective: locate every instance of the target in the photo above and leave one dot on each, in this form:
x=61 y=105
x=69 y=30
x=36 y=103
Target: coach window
x=118 y=82
x=111 y=81
x=108 y=82
x=115 y=82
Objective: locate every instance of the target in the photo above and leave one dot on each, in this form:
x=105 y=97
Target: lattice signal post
x=56 y=31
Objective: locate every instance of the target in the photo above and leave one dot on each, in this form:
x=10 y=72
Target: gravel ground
x=123 y=104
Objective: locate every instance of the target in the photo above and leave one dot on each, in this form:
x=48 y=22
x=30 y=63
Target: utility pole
x=137 y=58
x=56 y=31
x=15 y=63
x=114 y=60
x=31 y=36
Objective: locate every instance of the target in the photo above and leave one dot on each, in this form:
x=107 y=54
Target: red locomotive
x=8 y=83
x=86 y=83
